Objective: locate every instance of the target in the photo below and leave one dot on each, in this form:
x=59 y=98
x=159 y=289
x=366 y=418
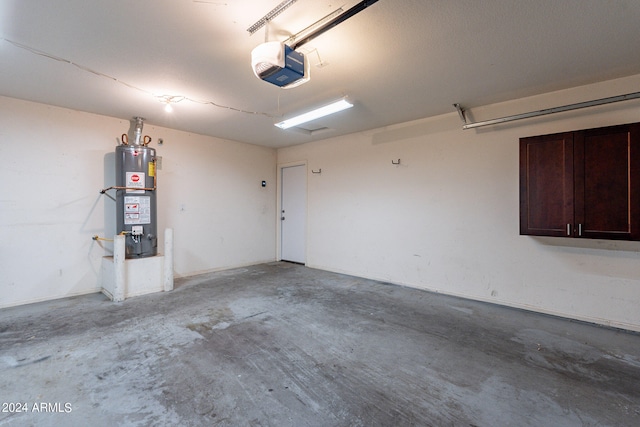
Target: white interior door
x=293 y=215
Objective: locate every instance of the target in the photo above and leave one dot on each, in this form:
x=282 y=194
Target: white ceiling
x=398 y=60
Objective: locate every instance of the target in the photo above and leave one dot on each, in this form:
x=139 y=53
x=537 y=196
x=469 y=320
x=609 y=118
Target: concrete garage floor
x=284 y=345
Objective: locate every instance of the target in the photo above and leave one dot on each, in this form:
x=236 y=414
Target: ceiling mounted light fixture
x=169 y=100
x=334 y=107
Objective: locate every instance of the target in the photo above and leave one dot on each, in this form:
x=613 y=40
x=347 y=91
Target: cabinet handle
x=568 y=229
x=580 y=230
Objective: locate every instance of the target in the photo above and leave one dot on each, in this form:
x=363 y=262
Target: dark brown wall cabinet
x=582 y=184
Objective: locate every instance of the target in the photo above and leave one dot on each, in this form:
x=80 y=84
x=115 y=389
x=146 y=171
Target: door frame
x=279 y=207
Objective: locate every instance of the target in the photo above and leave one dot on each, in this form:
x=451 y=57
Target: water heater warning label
x=135 y=180
x=137 y=210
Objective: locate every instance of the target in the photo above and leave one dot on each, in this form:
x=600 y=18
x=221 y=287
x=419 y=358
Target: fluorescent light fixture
x=334 y=107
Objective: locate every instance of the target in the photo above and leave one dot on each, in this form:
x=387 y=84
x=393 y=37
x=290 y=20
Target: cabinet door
x=607 y=183
x=546 y=185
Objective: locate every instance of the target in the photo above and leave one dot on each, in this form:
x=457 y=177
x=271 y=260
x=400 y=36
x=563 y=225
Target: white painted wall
x=54 y=163
x=446 y=218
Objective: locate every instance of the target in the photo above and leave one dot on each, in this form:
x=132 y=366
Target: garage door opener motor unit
x=278 y=64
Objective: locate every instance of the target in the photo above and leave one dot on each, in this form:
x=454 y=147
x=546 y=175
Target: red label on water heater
x=134 y=181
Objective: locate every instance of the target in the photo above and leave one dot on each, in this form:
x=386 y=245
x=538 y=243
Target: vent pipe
x=138 y=130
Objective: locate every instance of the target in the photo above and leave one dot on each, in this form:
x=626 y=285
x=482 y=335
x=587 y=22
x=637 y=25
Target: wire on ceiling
x=162 y=98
